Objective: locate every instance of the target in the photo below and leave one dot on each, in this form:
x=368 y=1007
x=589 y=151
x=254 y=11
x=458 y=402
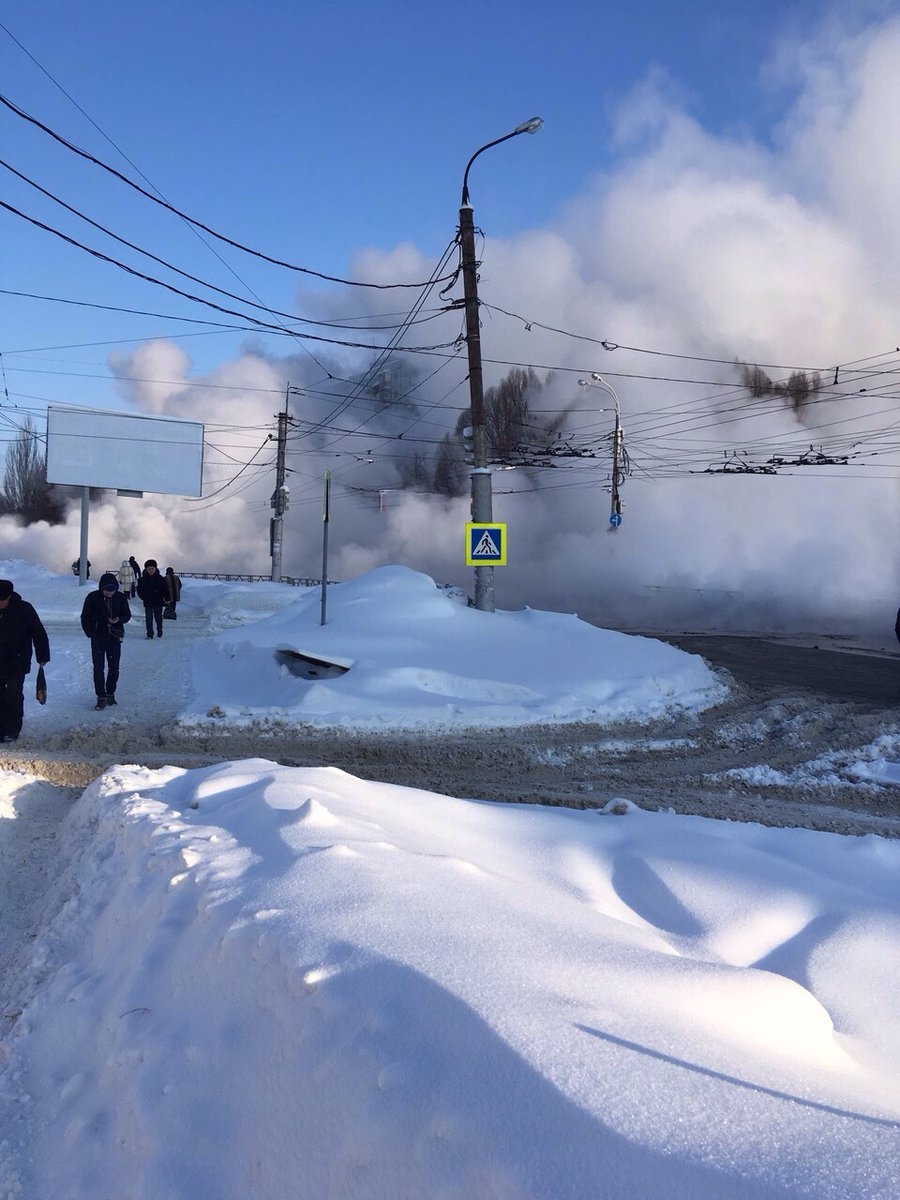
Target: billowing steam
x=782 y=256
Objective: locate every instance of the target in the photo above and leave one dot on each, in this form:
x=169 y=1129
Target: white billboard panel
x=92 y=448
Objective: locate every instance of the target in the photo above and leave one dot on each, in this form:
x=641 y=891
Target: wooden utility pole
x=279 y=501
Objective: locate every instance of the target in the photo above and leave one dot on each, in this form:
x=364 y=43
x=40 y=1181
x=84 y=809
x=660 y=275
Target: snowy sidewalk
x=153 y=681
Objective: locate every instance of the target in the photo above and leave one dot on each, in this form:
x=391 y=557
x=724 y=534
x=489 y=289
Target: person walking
x=20 y=630
x=125 y=577
x=104 y=615
x=136 y=575
x=152 y=590
x=173 y=590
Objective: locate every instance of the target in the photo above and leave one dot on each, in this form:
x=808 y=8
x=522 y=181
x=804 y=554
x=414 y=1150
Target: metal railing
x=230 y=577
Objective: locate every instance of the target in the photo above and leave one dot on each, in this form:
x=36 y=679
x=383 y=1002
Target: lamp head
x=531 y=126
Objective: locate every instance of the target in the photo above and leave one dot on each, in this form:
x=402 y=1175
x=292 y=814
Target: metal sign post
x=325 y=518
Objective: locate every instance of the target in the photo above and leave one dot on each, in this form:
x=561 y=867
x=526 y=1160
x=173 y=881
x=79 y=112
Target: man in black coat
x=20 y=629
x=173 y=590
x=103 y=618
x=135 y=567
x=152 y=590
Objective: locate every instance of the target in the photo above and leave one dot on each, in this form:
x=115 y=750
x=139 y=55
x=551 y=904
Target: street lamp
x=615 y=504
x=482 y=505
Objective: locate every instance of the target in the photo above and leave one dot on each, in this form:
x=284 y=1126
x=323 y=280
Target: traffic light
x=281 y=500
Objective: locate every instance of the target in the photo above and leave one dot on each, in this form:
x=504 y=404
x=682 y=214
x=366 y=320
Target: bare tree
x=414 y=472
x=26 y=492
x=510 y=430
x=756 y=381
x=800 y=387
x=451 y=476
x=506 y=412
x=798 y=390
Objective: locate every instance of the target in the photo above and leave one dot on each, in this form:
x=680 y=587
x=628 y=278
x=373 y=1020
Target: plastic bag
x=40 y=687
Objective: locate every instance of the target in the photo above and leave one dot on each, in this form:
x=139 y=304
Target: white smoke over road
x=691 y=243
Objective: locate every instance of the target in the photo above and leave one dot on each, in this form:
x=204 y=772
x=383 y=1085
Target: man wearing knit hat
x=103 y=618
x=152 y=590
x=20 y=629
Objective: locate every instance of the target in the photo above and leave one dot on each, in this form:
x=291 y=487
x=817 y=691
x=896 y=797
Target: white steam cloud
x=719 y=247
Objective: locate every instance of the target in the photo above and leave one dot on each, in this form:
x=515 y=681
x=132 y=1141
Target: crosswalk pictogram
x=485 y=544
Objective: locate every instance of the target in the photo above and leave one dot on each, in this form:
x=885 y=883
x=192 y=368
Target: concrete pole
x=278 y=499
x=482 y=499
x=615 y=502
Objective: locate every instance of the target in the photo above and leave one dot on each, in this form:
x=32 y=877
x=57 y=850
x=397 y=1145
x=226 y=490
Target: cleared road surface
x=865 y=678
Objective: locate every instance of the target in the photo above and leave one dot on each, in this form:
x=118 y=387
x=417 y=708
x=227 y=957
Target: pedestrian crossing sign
x=485 y=544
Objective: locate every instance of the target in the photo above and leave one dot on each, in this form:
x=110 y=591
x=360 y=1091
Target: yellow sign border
x=500 y=561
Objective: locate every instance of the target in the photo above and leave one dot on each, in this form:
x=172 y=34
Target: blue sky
x=313 y=131
x=713 y=184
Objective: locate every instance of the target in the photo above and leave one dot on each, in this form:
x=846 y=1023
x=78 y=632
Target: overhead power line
x=121 y=152
x=221 y=237
x=269 y=326
x=362 y=324
x=186 y=274
x=611 y=346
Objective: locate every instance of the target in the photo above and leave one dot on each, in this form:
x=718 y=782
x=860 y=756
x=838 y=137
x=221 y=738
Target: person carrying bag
x=21 y=631
x=173 y=595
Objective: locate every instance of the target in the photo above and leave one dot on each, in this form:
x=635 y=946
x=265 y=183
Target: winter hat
x=109 y=582
x=6 y=589
x=151 y=562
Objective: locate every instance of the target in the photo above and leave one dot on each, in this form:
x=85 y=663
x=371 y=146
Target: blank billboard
x=91 y=448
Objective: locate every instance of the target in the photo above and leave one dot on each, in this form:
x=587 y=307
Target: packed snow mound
x=271 y=982
x=418 y=658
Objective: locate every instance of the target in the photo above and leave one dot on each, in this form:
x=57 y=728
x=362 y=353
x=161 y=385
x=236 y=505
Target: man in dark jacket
x=173 y=590
x=20 y=629
x=103 y=618
x=152 y=590
x=135 y=567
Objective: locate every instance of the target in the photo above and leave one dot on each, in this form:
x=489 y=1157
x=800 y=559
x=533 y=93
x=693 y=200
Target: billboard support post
x=83 y=551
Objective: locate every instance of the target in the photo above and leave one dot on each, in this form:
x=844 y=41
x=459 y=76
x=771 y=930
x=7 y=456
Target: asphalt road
x=862 y=678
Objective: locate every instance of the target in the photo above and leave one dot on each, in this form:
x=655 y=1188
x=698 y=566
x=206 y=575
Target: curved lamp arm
x=531 y=126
